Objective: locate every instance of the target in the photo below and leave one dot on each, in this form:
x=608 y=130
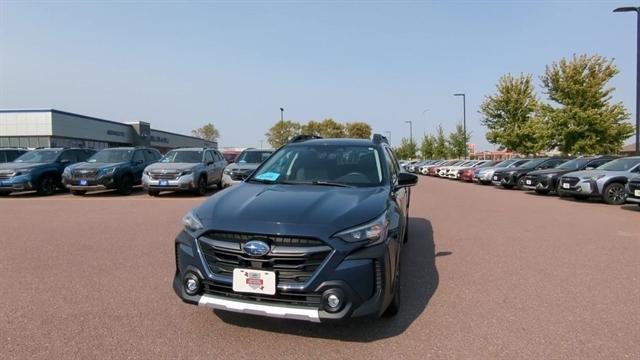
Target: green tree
x=441 y=147
x=458 y=142
x=358 y=130
x=427 y=147
x=312 y=128
x=406 y=150
x=282 y=132
x=584 y=120
x=207 y=132
x=330 y=128
x=511 y=115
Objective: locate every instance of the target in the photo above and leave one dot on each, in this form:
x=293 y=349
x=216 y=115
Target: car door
x=221 y=163
x=138 y=164
x=398 y=209
x=210 y=166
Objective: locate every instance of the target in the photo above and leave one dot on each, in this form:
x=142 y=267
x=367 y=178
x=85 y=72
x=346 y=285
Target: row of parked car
x=613 y=179
x=80 y=170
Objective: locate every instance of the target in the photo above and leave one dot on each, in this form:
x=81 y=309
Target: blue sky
x=179 y=65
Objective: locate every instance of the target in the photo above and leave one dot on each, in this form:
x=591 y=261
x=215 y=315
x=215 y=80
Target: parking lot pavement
x=487 y=273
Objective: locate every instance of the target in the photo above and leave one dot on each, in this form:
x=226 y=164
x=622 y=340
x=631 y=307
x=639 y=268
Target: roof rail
x=378 y=139
x=303 y=137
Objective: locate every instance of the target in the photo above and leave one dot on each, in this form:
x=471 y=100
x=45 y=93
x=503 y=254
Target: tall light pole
x=410 y=130
x=260 y=144
x=637 y=10
x=464 y=120
x=282 y=123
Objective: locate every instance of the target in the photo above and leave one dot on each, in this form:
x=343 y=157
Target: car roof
x=337 y=141
x=192 y=149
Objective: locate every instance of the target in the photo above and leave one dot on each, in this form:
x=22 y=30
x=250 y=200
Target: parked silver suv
x=244 y=165
x=186 y=169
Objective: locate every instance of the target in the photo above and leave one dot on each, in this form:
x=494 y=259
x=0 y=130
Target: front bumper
x=363 y=276
x=582 y=187
x=90 y=184
x=16 y=184
x=633 y=193
x=185 y=182
x=503 y=180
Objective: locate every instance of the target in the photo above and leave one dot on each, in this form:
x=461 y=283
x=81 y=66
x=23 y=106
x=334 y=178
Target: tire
x=614 y=194
x=394 y=305
x=520 y=183
x=46 y=186
x=78 y=192
x=153 y=193
x=541 y=192
x=201 y=189
x=126 y=185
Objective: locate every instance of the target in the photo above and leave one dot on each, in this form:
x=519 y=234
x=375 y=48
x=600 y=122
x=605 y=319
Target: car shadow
x=419 y=283
x=187 y=194
x=631 y=207
x=137 y=190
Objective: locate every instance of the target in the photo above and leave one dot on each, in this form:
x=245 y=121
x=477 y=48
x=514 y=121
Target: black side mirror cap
x=406 y=179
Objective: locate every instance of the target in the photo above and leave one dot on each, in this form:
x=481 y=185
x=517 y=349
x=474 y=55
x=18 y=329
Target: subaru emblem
x=256 y=248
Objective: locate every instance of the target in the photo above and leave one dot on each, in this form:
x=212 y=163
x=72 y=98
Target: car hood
x=244 y=166
x=95 y=166
x=172 y=166
x=591 y=173
x=291 y=209
x=20 y=166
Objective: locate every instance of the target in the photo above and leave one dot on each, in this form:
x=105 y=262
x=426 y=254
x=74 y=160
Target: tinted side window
x=69 y=155
x=149 y=156
x=598 y=162
x=156 y=154
x=138 y=156
x=4 y=156
x=208 y=157
x=217 y=156
x=391 y=165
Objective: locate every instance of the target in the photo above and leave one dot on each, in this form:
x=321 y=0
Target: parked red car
x=467 y=174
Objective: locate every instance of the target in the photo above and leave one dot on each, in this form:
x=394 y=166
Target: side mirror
x=589 y=168
x=406 y=180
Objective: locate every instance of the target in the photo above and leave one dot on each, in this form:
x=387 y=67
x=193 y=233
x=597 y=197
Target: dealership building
x=54 y=128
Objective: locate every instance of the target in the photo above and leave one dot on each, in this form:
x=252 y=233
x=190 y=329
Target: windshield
x=623 y=164
x=505 y=163
x=533 y=163
x=253 y=157
x=38 y=156
x=574 y=164
x=182 y=156
x=336 y=164
x=111 y=156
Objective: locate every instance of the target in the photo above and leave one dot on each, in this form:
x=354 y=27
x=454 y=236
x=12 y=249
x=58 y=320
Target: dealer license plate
x=528 y=182
x=254 y=281
x=83 y=182
x=495 y=178
x=566 y=185
x=164 y=183
x=637 y=193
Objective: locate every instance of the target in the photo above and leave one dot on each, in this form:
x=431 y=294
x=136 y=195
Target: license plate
x=83 y=183
x=495 y=178
x=528 y=182
x=565 y=185
x=254 y=281
x=164 y=183
x=637 y=193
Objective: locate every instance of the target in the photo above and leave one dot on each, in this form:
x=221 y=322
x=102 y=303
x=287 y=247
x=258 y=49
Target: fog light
x=191 y=284
x=333 y=300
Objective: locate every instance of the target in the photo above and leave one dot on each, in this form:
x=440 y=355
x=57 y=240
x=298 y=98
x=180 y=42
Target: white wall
x=25 y=124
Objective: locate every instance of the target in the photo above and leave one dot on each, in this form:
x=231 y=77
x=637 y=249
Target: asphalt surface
x=487 y=273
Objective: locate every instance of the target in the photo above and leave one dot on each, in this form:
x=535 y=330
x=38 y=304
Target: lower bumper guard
x=244 y=307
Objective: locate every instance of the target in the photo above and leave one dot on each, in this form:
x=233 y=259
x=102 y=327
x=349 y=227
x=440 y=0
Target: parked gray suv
x=606 y=181
x=244 y=165
x=186 y=169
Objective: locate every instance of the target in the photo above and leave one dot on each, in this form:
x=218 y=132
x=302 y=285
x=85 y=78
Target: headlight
x=107 y=171
x=191 y=222
x=22 y=172
x=66 y=172
x=373 y=232
x=186 y=172
x=595 y=177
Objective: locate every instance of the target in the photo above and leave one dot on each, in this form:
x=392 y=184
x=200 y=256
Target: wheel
x=520 y=183
x=78 y=192
x=126 y=185
x=614 y=194
x=394 y=306
x=46 y=186
x=201 y=189
x=541 y=191
x=153 y=193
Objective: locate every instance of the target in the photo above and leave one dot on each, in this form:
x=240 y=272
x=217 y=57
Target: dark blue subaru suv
x=315 y=233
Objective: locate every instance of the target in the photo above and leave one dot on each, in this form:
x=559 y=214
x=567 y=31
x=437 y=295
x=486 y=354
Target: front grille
x=634 y=185
x=282 y=297
x=164 y=175
x=240 y=175
x=378 y=270
x=273 y=240
x=531 y=180
x=497 y=176
x=80 y=174
x=294 y=263
x=572 y=181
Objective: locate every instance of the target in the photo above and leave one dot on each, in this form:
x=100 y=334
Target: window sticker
x=269 y=176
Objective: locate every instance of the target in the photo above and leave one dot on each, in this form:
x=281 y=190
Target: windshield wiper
x=261 y=181
x=316 y=182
